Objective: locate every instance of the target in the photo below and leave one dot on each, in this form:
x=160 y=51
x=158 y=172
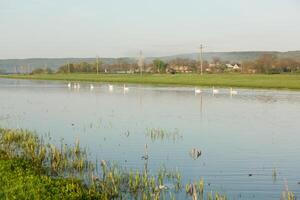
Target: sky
x=118 y=28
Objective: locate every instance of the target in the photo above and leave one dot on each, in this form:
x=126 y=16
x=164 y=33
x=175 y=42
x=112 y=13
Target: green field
x=278 y=81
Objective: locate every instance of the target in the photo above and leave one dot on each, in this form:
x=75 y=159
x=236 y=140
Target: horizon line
x=169 y=55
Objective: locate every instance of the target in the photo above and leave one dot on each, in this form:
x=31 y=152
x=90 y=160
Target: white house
x=234 y=67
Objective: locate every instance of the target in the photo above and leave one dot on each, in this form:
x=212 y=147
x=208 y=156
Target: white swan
x=215 y=91
x=110 y=87
x=197 y=91
x=75 y=86
x=69 y=85
x=78 y=85
x=233 y=92
x=91 y=87
x=125 y=88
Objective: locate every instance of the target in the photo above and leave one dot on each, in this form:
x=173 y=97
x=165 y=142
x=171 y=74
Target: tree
x=266 y=63
x=192 y=64
x=66 y=68
x=248 y=67
x=287 y=64
x=42 y=71
x=216 y=60
x=160 y=65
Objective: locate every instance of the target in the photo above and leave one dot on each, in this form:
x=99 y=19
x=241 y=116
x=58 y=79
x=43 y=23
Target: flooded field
x=243 y=144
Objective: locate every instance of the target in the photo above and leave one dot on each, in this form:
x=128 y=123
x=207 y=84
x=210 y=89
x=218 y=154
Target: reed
x=196 y=191
x=158 y=134
x=274 y=174
x=287 y=195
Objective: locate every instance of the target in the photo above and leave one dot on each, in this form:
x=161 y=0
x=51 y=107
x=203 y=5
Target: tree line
x=267 y=63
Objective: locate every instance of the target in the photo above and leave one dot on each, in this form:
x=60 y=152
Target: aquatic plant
x=274 y=174
x=71 y=162
x=287 y=195
x=196 y=191
x=201 y=187
x=156 y=134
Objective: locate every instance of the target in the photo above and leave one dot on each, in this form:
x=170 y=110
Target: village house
x=233 y=66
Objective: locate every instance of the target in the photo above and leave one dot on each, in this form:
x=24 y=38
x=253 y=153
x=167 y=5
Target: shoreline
x=252 y=81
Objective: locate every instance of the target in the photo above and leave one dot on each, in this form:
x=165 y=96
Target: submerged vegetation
x=160 y=134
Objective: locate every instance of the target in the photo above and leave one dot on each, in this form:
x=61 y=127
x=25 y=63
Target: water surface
x=250 y=133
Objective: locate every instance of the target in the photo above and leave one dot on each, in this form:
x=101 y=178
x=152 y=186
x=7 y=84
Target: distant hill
x=236 y=56
x=9 y=65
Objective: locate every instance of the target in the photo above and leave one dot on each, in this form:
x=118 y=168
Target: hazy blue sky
x=85 y=28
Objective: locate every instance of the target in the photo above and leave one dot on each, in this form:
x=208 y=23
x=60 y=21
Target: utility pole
x=141 y=62
x=97 y=64
x=68 y=67
x=201 y=59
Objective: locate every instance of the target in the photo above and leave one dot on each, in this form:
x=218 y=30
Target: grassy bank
x=19 y=179
x=278 y=81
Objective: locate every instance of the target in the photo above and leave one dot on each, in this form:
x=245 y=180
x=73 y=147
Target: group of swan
x=126 y=89
x=215 y=91
x=75 y=85
x=110 y=87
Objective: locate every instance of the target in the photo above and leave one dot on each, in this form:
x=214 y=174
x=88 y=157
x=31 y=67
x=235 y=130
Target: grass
x=19 y=179
x=276 y=81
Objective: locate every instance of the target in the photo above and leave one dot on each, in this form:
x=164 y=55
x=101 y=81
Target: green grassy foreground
x=19 y=179
x=277 y=81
